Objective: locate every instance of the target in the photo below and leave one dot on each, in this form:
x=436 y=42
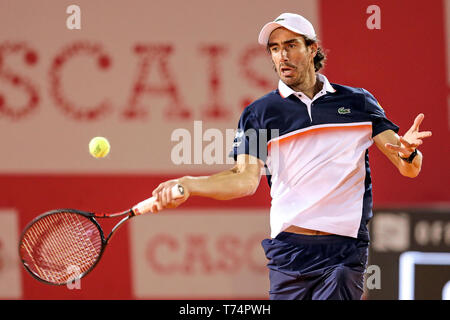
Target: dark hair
x=320 y=57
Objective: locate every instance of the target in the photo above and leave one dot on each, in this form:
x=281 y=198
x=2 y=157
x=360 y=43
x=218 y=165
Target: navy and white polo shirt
x=316 y=155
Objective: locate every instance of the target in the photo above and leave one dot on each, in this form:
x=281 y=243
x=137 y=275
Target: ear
x=314 y=47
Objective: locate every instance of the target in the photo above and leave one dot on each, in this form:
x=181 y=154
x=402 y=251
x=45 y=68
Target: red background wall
x=404 y=66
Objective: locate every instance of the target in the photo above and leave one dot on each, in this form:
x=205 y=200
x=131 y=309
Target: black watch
x=411 y=157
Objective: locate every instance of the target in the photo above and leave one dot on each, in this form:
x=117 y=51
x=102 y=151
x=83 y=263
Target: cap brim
x=264 y=35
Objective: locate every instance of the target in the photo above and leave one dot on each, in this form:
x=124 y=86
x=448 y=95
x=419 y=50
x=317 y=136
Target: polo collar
x=286 y=91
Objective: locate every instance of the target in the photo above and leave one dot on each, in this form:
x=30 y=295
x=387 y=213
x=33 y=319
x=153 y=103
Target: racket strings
x=61 y=246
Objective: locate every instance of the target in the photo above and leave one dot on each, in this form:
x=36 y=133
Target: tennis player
x=317 y=164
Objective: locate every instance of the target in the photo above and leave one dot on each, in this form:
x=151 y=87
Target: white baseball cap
x=291 y=21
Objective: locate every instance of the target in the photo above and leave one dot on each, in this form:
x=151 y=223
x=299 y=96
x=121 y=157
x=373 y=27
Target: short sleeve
x=377 y=115
x=248 y=138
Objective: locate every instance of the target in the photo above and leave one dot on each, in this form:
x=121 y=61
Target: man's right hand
x=163 y=194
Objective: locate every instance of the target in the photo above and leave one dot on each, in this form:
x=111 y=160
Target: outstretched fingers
x=417 y=121
x=411 y=145
x=424 y=134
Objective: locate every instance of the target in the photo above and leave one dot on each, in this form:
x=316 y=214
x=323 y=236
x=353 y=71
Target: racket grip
x=146 y=205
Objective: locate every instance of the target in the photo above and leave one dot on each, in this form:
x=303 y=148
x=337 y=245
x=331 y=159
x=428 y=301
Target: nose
x=284 y=54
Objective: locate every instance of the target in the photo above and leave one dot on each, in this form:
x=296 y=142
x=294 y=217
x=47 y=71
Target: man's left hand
x=411 y=140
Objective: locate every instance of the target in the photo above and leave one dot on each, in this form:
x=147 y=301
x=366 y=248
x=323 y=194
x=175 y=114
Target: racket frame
x=139 y=209
x=89 y=215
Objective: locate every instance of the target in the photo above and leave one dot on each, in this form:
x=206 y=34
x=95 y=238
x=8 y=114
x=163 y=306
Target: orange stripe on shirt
x=319 y=130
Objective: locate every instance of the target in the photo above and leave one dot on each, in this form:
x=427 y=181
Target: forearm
x=224 y=185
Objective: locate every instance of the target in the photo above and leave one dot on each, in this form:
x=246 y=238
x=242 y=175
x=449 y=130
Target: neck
x=310 y=87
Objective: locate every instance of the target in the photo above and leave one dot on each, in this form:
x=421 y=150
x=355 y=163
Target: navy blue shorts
x=303 y=267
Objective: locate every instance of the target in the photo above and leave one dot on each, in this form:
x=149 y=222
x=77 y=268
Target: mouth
x=287 y=71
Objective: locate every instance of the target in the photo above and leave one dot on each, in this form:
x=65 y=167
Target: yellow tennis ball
x=99 y=147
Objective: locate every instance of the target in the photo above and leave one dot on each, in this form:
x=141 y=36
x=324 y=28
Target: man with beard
x=318 y=168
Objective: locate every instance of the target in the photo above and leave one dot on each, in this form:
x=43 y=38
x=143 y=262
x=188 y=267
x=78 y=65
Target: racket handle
x=146 y=205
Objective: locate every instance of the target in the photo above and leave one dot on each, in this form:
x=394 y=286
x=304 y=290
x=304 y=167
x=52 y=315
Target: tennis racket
x=63 y=242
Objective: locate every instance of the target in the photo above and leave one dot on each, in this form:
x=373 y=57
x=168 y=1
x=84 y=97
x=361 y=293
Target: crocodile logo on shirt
x=343 y=110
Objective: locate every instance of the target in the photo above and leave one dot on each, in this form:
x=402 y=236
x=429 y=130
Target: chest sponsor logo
x=343 y=110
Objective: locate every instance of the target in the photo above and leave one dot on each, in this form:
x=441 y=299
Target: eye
x=292 y=45
x=274 y=49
